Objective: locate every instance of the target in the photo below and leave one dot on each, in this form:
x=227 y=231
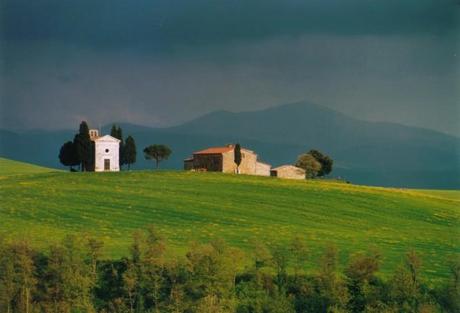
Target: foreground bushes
x=71 y=277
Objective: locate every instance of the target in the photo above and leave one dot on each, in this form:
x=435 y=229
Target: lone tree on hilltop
x=129 y=152
x=237 y=157
x=84 y=147
x=68 y=155
x=325 y=160
x=157 y=153
x=311 y=166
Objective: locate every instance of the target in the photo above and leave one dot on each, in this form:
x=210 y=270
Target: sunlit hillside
x=43 y=205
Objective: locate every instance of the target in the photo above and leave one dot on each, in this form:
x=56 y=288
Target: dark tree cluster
x=117 y=132
x=315 y=164
x=68 y=155
x=127 y=153
x=72 y=277
x=80 y=151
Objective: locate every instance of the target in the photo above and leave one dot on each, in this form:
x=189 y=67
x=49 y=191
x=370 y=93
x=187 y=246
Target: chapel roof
x=107 y=138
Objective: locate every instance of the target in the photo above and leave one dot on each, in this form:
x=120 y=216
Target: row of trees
x=214 y=278
x=80 y=151
x=127 y=153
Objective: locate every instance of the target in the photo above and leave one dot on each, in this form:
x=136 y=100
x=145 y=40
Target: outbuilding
x=288 y=171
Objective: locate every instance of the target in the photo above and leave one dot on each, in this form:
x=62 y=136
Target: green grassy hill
x=11 y=168
x=43 y=205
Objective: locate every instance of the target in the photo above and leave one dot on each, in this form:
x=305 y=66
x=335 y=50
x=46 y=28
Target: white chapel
x=107 y=150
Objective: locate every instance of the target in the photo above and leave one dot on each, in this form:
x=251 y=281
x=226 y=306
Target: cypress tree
x=84 y=147
x=121 y=151
x=114 y=131
x=237 y=157
x=117 y=132
x=129 y=152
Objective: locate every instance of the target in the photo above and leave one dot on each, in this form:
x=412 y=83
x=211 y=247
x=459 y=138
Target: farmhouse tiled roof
x=214 y=150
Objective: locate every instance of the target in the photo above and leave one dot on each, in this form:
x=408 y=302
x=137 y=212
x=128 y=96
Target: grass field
x=11 y=168
x=43 y=205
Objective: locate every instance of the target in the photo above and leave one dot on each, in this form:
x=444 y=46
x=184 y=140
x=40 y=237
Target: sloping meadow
x=185 y=207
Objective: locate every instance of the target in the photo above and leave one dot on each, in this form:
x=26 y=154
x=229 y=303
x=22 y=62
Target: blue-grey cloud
x=164 y=23
x=163 y=62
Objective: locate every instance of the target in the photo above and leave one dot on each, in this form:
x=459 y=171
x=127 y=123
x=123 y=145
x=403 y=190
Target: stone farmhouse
x=288 y=171
x=221 y=159
x=106 y=152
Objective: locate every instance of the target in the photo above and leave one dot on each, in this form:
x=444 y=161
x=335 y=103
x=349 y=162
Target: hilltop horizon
x=374 y=153
x=138 y=126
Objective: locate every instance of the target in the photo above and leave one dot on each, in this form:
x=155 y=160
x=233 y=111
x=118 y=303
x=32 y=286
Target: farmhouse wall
x=248 y=162
x=263 y=169
x=222 y=159
x=188 y=164
x=210 y=162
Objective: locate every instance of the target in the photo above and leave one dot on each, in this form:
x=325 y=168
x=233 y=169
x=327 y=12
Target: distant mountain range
x=364 y=152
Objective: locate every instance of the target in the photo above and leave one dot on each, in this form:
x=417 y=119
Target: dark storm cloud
x=397 y=79
x=163 y=62
x=165 y=23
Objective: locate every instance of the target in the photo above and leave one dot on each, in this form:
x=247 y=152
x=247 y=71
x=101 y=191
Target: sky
x=162 y=62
